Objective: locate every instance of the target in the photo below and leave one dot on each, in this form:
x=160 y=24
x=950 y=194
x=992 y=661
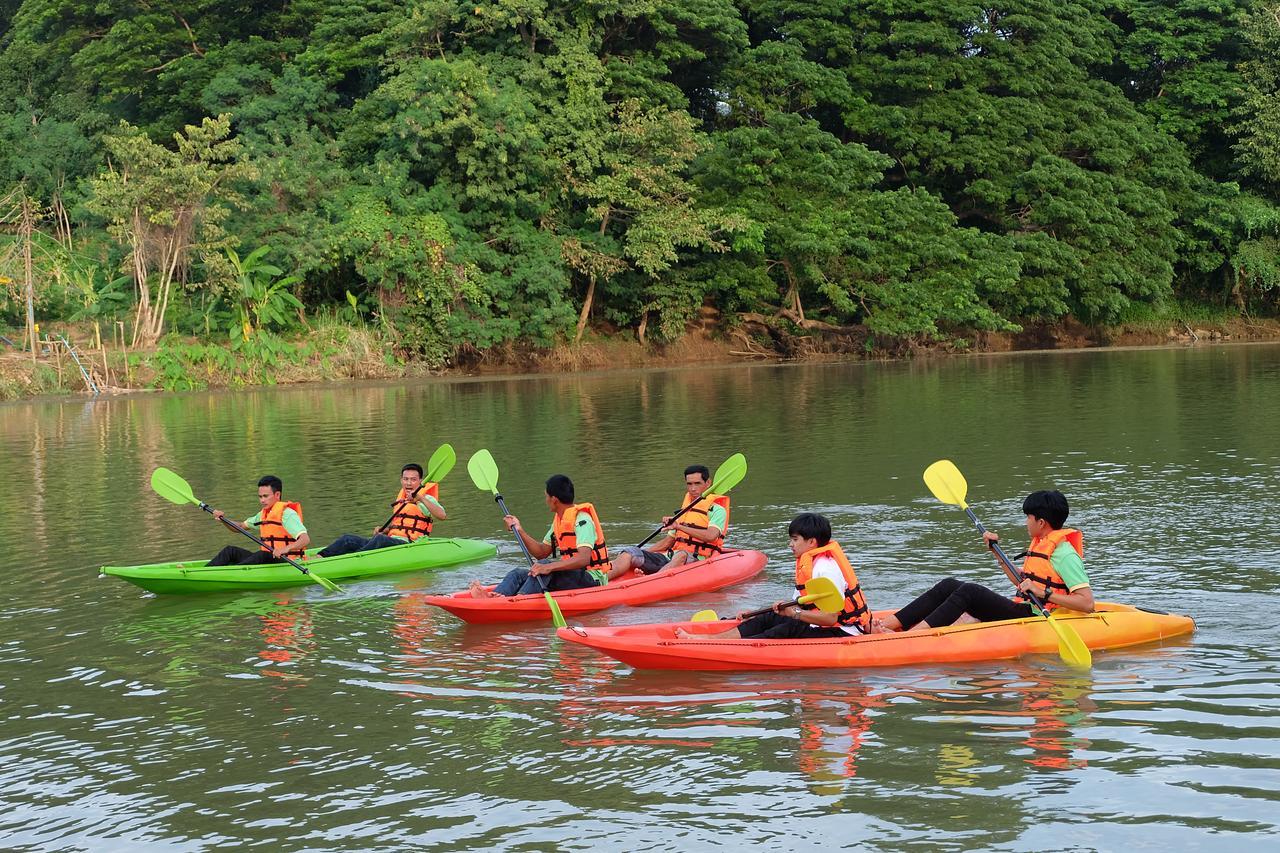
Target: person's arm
x=292 y=524
x=580 y=560
x=829 y=569
x=702 y=534
x=538 y=550
x=238 y=525
x=431 y=505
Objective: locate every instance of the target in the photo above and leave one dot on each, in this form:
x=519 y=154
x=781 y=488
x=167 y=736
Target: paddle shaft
x=542 y=579
x=649 y=538
x=1007 y=565
x=399 y=506
x=238 y=529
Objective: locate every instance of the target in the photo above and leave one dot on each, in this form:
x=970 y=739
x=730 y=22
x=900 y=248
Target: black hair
x=560 y=487
x=272 y=482
x=810 y=525
x=412 y=466
x=699 y=469
x=1050 y=505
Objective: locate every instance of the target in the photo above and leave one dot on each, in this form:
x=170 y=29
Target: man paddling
x=572 y=555
x=696 y=535
x=279 y=527
x=413 y=510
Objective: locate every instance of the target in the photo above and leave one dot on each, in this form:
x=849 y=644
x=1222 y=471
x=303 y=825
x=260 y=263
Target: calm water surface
x=367 y=720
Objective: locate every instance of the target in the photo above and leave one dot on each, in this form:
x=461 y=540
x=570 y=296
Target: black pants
x=349 y=543
x=233 y=555
x=775 y=626
x=943 y=605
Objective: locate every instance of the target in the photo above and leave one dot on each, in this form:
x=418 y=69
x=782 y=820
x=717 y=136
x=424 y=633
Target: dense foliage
x=511 y=171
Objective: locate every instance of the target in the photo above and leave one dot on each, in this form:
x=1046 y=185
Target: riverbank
x=341 y=353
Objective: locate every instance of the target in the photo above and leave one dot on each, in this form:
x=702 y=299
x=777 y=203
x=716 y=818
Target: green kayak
x=195 y=576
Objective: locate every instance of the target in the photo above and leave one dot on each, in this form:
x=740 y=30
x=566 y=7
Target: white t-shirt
x=827 y=567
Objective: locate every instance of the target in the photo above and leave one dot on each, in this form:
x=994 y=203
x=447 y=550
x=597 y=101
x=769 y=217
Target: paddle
x=174 y=489
x=819 y=591
x=484 y=473
x=948 y=485
x=440 y=464
x=728 y=475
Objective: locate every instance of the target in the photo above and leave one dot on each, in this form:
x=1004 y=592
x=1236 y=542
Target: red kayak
x=729 y=568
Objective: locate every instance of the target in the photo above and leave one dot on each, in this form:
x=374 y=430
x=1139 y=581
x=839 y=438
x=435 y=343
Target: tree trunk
x=644 y=325
x=26 y=229
x=586 y=309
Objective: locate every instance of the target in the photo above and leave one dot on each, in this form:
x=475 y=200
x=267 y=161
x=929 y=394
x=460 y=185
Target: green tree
x=165 y=205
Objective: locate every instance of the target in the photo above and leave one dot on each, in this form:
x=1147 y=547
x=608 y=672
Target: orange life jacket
x=565 y=537
x=855 y=610
x=409 y=522
x=700 y=517
x=1037 y=567
x=271 y=527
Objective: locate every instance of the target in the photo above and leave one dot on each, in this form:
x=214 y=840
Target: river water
x=367 y=720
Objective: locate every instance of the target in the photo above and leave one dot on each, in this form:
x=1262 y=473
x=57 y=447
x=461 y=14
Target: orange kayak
x=729 y=568
x=654 y=646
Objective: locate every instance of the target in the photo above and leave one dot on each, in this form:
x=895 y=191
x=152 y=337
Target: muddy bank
x=748 y=338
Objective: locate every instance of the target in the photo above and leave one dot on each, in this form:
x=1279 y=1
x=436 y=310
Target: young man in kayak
x=572 y=555
x=279 y=527
x=817 y=556
x=413 y=510
x=1053 y=571
x=696 y=535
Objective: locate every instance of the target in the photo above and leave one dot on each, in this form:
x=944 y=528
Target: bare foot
x=965 y=619
x=682 y=634
x=479 y=590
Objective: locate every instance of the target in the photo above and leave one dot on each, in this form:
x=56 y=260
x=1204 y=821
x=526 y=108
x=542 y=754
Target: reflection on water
x=366 y=719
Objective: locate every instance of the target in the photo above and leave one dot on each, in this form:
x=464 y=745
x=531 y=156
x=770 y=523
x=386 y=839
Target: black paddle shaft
x=238 y=529
x=1007 y=565
x=672 y=521
x=542 y=579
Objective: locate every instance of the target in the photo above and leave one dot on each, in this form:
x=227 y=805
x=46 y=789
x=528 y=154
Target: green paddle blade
x=705 y=616
x=947 y=483
x=729 y=474
x=483 y=471
x=171 y=487
x=441 y=463
x=557 y=618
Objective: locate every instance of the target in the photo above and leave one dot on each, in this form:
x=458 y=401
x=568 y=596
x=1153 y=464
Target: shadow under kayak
x=728 y=568
x=194 y=576
x=655 y=646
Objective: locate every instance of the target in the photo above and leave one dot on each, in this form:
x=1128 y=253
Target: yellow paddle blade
x=1071 y=648
x=823 y=593
x=483 y=471
x=705 y=616
x=947 y=483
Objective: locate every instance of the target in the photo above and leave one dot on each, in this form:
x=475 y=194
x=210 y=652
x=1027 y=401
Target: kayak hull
x=194 y=576
x=655 y=646
x=718 y=572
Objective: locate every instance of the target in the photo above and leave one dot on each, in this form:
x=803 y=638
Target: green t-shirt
x=289 y=519
x=1067 y=563
x=583 y=527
